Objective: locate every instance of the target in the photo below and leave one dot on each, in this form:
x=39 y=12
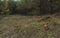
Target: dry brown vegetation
x=16 y=26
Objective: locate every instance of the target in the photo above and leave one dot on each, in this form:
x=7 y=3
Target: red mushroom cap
x=46 y=26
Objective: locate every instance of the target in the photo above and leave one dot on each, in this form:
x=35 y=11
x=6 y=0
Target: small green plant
x=5 y=12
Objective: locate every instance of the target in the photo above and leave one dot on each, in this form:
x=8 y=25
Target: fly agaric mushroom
x=46 y=26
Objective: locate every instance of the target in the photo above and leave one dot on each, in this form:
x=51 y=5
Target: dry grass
x=16 y=26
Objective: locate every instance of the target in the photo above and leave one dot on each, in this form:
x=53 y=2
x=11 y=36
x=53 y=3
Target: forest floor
x=17 y=26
